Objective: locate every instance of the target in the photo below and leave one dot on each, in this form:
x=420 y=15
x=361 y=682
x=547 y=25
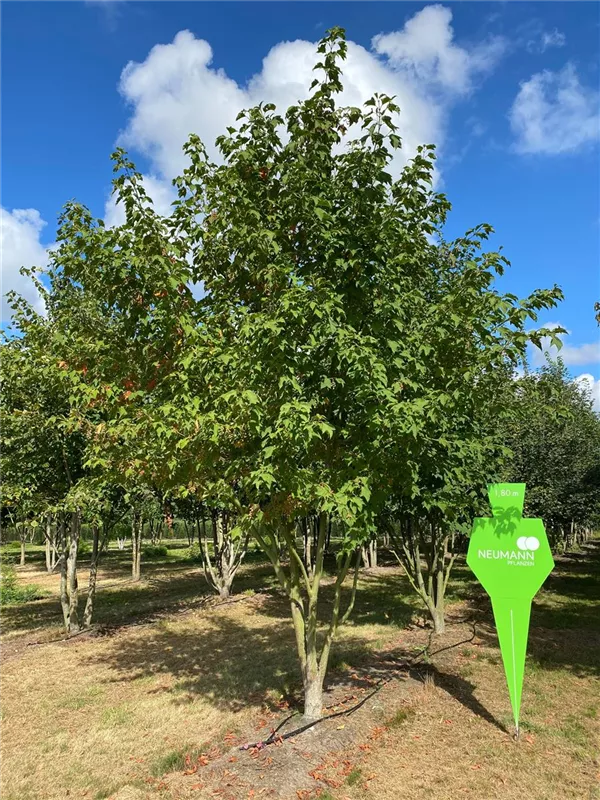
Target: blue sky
x=508 y=92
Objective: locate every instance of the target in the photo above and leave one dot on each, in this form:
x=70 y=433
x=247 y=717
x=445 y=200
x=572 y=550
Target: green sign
x=511 y=558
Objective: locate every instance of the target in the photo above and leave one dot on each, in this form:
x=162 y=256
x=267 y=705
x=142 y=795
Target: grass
x=121 y=712
x=173 y=761
x=400 y=718
x=87 y=697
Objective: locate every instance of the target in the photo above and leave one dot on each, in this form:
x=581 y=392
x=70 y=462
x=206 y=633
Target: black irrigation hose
x=273 y=738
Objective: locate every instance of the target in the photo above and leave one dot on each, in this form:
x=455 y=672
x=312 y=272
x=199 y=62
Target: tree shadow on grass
x=229 y=664
x=233 y=666
x=162 y=588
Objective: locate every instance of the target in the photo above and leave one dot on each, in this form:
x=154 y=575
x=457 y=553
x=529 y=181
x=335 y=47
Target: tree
x=299 y=386
x=555 y=440
x=474 y=338
x=42 y=455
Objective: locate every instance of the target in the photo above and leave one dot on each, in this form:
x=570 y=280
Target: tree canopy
x=345 y=361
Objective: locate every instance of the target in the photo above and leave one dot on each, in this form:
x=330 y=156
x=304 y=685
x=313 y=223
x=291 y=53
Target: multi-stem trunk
x=369 y=554
x=302 y=589
x=221 y=568
x=422 y=548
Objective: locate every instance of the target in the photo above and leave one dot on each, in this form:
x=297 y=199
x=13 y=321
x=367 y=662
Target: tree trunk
x=227 y=555
x=69 y=596
x=189 y=532
x=439 y=622
x=73 y=588
x=369 y=554
x=408 y=544
x=313 y=695
x=307 y=538
x=91 y=596
x=136 y=546
x=328 y=540
x=64 y=594
x=50 y=541
x=22 y=553
x=302 y=590
x=373 y=552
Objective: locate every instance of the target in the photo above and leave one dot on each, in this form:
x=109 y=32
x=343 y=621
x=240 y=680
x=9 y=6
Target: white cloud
x=572 y=355
x=176 y=91
x=426 y=47
x=544 y=40
x=553 y=113
x=553 y=39
x=20 y=245
x=589 y=383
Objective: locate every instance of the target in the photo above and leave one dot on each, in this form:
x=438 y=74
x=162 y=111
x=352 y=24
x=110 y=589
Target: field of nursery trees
x=241 y=454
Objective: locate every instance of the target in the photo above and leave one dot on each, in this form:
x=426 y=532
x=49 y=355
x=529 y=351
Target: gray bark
x=136 y=545
x=313 y=694
x=304 y=605
x=88 y=612
x=221 y=568
x=69 y=593
x=51 y=545
x=412 y=547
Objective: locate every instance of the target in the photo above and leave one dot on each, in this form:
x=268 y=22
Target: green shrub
x=83 y=548
x=154 y=551
x=194 y=553
x=11 y=593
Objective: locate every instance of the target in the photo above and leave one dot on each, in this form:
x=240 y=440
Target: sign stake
x=511 y=558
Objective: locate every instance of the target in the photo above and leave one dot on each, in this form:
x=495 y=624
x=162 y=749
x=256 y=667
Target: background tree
x=555 y=439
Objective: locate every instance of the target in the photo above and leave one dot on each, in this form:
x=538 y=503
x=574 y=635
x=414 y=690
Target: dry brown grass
x=114 y=715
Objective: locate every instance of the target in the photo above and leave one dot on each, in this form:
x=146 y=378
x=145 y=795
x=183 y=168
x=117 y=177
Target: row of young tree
x=344 y=367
